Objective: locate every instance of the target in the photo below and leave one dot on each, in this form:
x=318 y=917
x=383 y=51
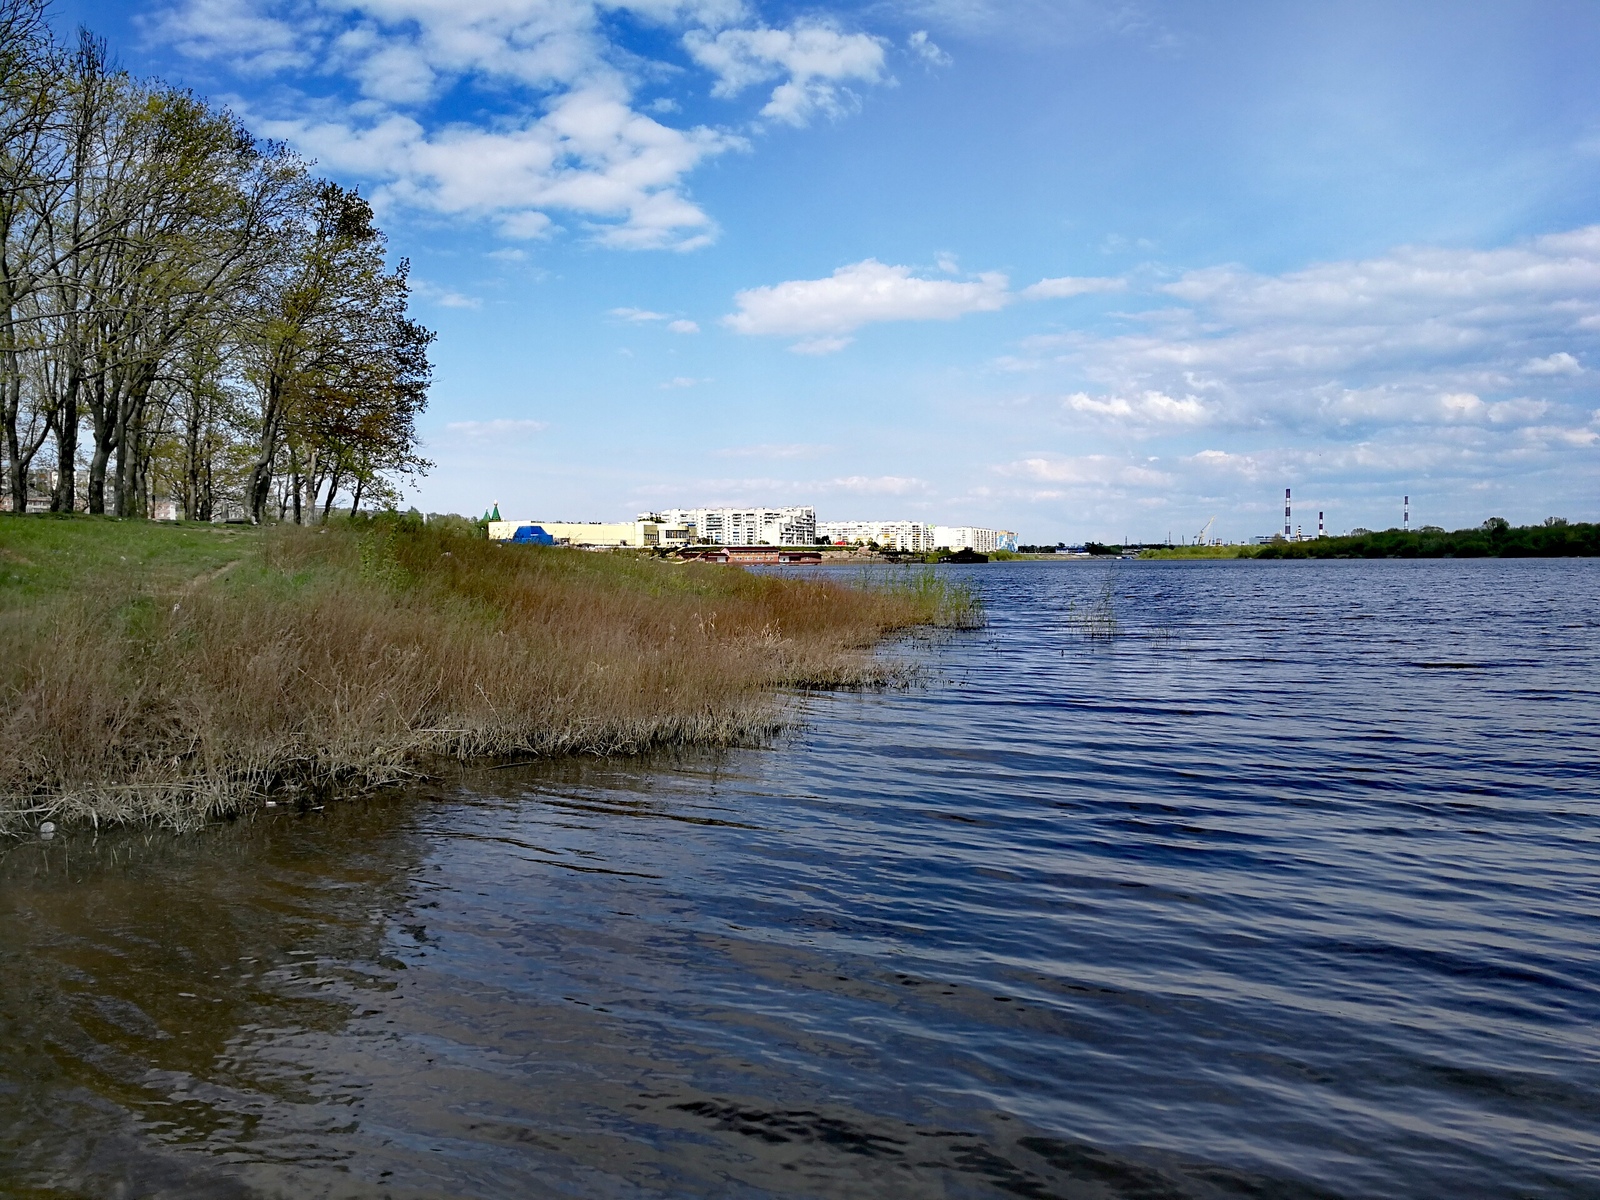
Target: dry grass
x=341 y=660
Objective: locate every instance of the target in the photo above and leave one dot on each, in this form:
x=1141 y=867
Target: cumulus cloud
x=590 y=154
x=867 y=292
x=813 y=59
x=1156 y=408
x=683 y=326
x=1560 y=363
x=570 y=143
x=1423 y=335
x=638 y=314
x=860 y=294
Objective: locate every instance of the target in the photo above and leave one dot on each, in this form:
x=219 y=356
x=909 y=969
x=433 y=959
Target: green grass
x=181 y=672
x=43 y=555
x=1200 y=552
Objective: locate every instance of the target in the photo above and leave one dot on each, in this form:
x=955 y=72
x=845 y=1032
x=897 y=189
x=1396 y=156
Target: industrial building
x=741 y=526
x=914 y=536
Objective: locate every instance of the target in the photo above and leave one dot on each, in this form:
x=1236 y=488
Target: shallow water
x=1289 y=889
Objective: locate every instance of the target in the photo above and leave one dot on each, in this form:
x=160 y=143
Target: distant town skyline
x=1081 y=270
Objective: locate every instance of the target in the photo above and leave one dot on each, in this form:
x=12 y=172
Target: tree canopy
x=186 y=312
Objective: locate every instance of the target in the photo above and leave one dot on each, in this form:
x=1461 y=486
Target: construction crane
x=1200 y=540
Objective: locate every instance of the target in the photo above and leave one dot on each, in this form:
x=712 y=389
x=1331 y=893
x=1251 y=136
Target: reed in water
x=323 y=661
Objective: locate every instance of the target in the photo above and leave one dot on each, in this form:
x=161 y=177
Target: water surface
x=1289 y=889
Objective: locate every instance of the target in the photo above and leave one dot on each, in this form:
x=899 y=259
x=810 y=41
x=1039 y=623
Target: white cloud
x=683 y=381
x=920 y=45
x=238 y=30
x=1523 y=410
x=860 y=294
x=1421 y=336
x=570 y=140
x=877 y=485
x=814 y=56
x=641 y=316
x=1091 y=470
x=821 y=345
x=1461 y=404
x=1560 y=363
x=500 y=427
x=1152 y=407
x=444 y=297
x=1068 y=285
x=590 y=154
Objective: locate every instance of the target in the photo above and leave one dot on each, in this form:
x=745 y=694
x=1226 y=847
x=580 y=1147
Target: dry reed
x=345 y=659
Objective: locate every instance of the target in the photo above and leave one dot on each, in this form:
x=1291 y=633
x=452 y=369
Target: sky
x=1081 y=269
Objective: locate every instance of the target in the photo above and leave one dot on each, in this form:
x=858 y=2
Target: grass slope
x=182 y=672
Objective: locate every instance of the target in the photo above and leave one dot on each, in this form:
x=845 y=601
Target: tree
x=339 y=368
x=29 y=71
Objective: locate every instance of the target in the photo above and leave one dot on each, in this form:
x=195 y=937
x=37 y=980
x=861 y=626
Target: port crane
x=1200 y=539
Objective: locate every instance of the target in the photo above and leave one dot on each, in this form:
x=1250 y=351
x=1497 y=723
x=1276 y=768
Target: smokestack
x=1285 y=512
x=1405 y=515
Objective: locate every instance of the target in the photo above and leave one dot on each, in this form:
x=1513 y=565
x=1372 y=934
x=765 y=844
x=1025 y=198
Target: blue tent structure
x=532 y=535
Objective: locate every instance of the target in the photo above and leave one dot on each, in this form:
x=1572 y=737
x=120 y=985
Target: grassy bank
x=183 y=672
x=1198 y=552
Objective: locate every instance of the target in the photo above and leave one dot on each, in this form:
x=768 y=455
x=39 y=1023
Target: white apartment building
x=970 y=537
x=893 y=535
x=743 y=526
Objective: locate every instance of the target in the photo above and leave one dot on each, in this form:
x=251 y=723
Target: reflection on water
x=1288 y=891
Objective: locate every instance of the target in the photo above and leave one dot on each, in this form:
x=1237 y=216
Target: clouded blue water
x=1289 y=888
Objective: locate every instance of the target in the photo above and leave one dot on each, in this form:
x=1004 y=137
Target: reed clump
x=1097 y=621
x=348 y=657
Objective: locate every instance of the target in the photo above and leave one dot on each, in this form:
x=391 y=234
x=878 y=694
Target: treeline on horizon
x=186 y=311
x=1495 y=538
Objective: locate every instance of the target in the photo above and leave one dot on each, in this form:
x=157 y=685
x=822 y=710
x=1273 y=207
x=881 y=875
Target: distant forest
x=1495 y=538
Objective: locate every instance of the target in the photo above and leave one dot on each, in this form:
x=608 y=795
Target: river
x=1288 y=885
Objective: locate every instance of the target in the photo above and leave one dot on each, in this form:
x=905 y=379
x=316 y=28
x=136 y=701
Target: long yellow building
x=614 y=534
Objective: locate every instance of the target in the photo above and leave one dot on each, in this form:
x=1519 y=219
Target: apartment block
x=890 y=535
x=791 y=526
x=971 y=537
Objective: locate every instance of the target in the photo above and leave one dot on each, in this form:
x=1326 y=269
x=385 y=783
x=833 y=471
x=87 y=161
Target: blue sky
x=1072 y=268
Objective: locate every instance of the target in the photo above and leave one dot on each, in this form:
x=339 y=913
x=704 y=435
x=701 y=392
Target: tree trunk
x=17 y=476
x=333 y=490
x=66 y=493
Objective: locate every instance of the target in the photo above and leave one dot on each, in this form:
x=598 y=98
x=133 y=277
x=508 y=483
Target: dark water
x=1292 y=889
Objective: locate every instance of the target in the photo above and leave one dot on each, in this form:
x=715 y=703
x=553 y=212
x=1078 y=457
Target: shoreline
x=180 y=673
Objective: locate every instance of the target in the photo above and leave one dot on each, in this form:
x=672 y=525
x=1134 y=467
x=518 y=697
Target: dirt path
x=200 y=581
